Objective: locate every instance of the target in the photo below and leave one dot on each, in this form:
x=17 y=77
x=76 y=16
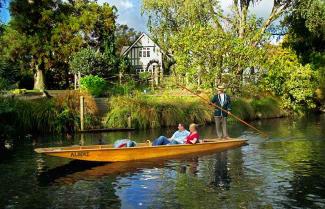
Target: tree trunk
x=39 y=83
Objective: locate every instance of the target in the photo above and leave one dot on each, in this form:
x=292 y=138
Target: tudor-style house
x=145 y=55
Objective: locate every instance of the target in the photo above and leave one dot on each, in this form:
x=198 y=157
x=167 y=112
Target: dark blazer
x=226 y=105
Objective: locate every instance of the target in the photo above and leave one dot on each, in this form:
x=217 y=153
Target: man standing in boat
x=221 y=99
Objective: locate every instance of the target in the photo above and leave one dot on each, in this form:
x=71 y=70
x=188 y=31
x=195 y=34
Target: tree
x=89 y=61
x=290 y=80
x=125 y=36
x=53 y=30
x=306 y=29
x=87 y=25
x=306 y=36
x=237 y=38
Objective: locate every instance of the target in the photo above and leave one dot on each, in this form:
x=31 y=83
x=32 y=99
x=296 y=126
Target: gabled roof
x=124 y=48
x=136 y=41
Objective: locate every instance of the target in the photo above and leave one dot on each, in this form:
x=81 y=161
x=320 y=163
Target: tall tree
x=306 y=35
x=306 y=29
x=53 y=30
x=125 y=36
x=238 y=34
x=241 y=33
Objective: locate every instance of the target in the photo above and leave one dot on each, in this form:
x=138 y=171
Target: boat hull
x=104 y=153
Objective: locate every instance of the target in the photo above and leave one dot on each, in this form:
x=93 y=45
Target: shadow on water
x=82 y=170
x=48 y=177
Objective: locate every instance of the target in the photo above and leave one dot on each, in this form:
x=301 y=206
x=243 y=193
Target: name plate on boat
x=79 y=154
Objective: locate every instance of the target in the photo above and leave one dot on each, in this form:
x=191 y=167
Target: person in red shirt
x=193 y=138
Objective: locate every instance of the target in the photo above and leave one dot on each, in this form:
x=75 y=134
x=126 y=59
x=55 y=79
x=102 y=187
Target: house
x=145 y=55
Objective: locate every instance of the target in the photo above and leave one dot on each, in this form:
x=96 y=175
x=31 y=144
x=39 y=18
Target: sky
x=129 y=12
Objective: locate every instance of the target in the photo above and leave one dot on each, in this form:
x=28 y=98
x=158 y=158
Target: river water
x=286 y=170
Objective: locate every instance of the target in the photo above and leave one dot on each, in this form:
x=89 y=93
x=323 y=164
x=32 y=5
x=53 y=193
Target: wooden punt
x=106 y=153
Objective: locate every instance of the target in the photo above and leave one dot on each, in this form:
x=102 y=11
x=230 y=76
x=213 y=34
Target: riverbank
x=160 y=111
x=46 y=115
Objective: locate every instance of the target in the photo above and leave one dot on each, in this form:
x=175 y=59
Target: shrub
x=4 y=84
x=267 y=107
x=125 y=88
x=242 y=109
x=90 y=61
x=94 y=84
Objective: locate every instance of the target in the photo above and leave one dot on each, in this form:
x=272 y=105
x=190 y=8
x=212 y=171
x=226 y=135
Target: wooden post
x=75 y=81
x=129 y=122
x=82 y=139
x=120 y=78
x=79 y=77
x=82 y=100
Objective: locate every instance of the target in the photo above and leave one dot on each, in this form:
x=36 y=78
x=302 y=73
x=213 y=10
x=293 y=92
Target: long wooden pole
x=229 y=113
x=82 y=109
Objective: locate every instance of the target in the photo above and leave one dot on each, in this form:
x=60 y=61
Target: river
x=286 y=170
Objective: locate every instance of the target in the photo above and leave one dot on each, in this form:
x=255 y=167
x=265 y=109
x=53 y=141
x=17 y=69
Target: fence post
x=129 y=121
x=75 y=81
x=79 y=77
x=82 y=101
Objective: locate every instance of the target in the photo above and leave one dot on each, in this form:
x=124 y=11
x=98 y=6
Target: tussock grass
x=164 y=110
x=56 y=115
x=156 y=111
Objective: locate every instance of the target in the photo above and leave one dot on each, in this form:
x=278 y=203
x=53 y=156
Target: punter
x=221 y=99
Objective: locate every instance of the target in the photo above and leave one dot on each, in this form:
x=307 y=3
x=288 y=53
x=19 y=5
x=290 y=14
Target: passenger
x=194 y=137
x=124 y=143
x=178 y=137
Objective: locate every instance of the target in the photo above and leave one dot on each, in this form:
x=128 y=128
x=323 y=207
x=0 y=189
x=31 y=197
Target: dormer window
x=144 y=52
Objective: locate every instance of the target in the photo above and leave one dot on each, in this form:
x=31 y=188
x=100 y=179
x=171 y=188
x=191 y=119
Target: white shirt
x=222 y=98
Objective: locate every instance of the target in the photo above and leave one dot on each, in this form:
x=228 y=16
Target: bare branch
x=279 y=7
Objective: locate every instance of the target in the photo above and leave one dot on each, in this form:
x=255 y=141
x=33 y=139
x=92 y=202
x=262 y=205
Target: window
x=144 y=52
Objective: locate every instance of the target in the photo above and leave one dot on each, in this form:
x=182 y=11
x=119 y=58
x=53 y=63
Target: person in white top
x=178 y=137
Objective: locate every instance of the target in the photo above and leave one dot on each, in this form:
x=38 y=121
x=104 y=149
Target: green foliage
x=155 y=111
x=89 y=61
x=4 y=84
x=42 y=35
x=94 y=84
x=206 y=42
x=125 y=36
x=268 y=107
x=287 y=78
x=306 y=29
x=306 y=36
x=145 y=76
x=243 y=109
x=123 y=89
x=18 y=91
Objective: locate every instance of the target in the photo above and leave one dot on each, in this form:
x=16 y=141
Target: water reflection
x=222 y=178
x=285 y=171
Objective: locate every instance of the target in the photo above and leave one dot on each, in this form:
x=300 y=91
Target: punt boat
x=143 y=151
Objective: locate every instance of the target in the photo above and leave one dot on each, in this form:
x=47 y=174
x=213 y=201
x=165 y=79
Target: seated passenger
x=124 y=143
x=178 y=137
x=194 y=137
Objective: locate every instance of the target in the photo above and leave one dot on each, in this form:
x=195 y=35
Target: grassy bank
x=158 y=111
x=55 y=115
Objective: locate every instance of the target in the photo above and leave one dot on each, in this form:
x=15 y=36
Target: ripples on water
x=287 y=170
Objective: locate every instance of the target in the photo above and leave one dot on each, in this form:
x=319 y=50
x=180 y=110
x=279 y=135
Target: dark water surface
x=285 y=171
